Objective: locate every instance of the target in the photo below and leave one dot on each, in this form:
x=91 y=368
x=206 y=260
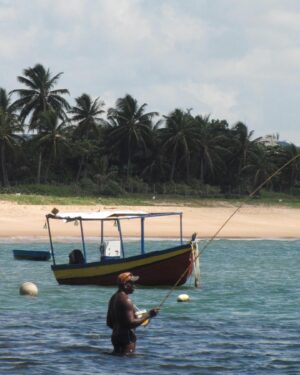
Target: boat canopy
x=102 y=216
x=108 y=215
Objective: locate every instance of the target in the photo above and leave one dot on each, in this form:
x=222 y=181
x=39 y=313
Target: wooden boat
x=158 y=267
x=31 y=255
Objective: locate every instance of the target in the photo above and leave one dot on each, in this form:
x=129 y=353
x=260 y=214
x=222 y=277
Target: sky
x=237 y=60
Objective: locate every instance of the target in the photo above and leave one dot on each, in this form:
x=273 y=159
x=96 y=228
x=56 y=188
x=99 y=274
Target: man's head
x=126 y=281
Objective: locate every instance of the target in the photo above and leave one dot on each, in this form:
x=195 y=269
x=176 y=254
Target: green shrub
x=136 y=185
x=88 y=186
x=112 y=188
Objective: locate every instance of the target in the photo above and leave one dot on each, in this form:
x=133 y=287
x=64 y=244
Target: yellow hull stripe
x=101 y=270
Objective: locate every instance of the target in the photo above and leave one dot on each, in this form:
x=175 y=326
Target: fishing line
x=246 y=200
x=223 y=225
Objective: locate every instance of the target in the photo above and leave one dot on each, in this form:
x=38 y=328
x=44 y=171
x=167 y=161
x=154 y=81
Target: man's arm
x=132 y=320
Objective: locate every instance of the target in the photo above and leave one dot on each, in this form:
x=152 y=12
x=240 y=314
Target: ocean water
x=245 y=318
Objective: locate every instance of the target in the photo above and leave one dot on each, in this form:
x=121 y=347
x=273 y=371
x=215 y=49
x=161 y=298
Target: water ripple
x=244 y=320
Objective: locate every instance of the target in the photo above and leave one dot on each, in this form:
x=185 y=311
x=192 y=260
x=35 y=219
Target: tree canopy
x=43 y=138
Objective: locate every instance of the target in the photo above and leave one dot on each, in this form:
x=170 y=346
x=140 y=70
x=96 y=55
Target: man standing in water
x=121 y=316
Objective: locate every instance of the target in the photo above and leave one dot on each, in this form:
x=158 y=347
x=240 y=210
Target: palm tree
x=178 y=139
x=39 y=97
x=260 y=166
x=211 y=139
x=243 y=146
x=291 y=173
x=155 y=166
x=9 y=126
x=211 y=151
x=86 y=114
x=130 y=128
x=52 y=137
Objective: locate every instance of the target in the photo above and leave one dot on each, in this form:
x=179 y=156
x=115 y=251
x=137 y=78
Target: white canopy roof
x=106 y=215
x=99 y=215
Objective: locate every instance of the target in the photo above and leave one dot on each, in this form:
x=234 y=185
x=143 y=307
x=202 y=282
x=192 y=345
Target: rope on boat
x=196 y=262
x=194 y=243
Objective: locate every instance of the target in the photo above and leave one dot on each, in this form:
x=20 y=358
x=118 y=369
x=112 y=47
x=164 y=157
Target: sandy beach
x=19 y=221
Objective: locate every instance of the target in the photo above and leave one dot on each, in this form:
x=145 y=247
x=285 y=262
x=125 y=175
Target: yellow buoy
x=183 y=298
x=29 y=289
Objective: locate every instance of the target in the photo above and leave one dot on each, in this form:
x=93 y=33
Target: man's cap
x=125 y=277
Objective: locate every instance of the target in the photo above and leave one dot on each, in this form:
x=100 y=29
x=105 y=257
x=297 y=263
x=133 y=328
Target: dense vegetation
x=44 y=140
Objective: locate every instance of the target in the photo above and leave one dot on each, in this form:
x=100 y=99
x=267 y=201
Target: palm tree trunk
x=3 y=166
x=173 y=167
x=202 y=171
x=38 y=177
x=129 y=163
x=80 y=168
x=187 y=174
x=128 y=168
x=47 y=170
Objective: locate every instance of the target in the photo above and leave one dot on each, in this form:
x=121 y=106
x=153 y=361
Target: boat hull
x=164 y=267
x=31 y=255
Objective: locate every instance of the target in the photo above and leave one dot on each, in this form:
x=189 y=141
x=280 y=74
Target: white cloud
x=226 y=57
x=122 y=23
x=12 y=47
x=202 y=98
x=66 y=10
x=288 y=20
x=213 y=99
x=7 y=14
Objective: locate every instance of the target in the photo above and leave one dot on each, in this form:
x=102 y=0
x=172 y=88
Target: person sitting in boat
x=121 y=316
x=76 y=257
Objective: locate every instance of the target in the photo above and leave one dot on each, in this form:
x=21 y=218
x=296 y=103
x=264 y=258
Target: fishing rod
x=223 y=225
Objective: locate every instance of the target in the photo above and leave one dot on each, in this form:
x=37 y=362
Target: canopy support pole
x=181 y=241
x=82 y=240
x=50 y=239
x=102 y=234
x=121 y=238
x=142 y=235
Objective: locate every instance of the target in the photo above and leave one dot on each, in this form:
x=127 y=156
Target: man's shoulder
x=121 y=297
x=118 y=295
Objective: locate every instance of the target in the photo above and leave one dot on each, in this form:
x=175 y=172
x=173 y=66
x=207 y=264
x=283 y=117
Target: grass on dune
x=269 y=199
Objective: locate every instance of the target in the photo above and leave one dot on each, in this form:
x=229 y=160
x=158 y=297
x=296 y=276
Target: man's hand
x=154 y=312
